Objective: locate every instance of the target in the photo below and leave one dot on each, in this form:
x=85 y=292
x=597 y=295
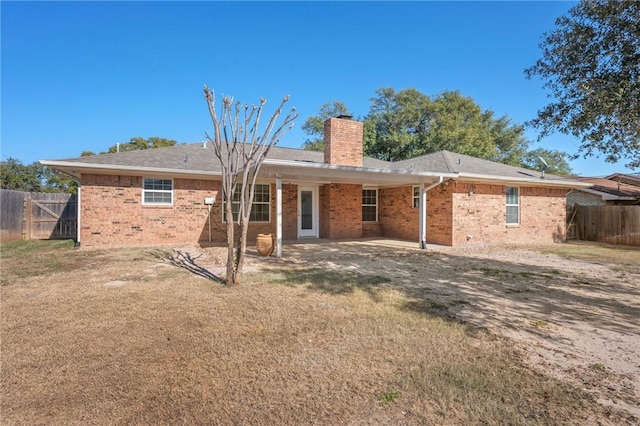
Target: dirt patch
x=576 y=320
x=340 y=333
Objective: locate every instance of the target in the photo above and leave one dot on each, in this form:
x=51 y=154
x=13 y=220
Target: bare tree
x=241 y=148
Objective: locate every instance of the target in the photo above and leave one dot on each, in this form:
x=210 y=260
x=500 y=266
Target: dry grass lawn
x=143 y=336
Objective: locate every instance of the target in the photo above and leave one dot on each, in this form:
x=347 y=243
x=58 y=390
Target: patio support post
x=422 y=216
x=423 y=210
x=278 y=216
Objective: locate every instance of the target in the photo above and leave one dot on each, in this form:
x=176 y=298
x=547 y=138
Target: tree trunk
x=231 y=264
x=242 y=250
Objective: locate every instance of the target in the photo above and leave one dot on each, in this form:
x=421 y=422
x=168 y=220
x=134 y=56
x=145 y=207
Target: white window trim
x=506 y=216
x=224 y=201
x=164 y=191
x=415 y=199
x=376 y=204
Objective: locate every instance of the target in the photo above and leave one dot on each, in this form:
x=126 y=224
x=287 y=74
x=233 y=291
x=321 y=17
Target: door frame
x=315 y=206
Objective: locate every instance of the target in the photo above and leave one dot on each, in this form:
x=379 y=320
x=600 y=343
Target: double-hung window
x=260 y=208
x=369 y=205
x=157 y=191
x=513 y=205
x=416 y=197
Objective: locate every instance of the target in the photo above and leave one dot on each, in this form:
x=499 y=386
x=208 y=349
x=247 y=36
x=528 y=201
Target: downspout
x=78 y=212
x=423 y=211
x=278 y=216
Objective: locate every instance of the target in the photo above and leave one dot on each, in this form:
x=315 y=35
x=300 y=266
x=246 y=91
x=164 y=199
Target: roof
x=625 y=178
x=616 y=188
x=191 y=160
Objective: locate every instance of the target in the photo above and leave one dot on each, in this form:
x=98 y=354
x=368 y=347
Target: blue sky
x=84 y=75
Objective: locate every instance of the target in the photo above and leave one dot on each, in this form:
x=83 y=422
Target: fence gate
x=50 y=216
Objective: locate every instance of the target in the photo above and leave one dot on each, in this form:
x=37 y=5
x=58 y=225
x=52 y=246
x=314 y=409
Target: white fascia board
x=523 y=181
x=357 y=170
x=88 y=167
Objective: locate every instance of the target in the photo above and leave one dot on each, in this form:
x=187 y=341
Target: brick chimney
x=343 y=139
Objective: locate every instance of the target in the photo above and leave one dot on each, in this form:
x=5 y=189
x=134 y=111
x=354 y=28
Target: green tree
x=314 y=125
x=556 y=161
x=591 y=66
x=19 y=177
x=407 y=123
x=33 y=177
x=397 y=123
x=138 y=144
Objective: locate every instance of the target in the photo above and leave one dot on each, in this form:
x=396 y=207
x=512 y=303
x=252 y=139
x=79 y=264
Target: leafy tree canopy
x=407 y=123
x=591 y=67
x=314 y=125
x=556 y=161
x=138 y=144
x=33 y=177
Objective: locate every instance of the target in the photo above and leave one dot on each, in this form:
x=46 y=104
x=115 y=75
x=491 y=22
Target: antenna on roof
x=543 y=167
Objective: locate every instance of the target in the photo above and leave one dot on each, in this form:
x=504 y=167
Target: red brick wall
x=289 y=211
x=479 y=215
x=453 y=215
x=324 y=210
x=341 y=211
x=113 y=214
x=399 y=219
x=371 y=229
x=343 y=140
x=396 y=216
x=440 y=215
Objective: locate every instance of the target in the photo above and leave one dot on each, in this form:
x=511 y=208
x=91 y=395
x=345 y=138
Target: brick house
x=173 y=195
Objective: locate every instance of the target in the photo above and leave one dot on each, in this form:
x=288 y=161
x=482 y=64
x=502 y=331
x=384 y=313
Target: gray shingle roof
x=451 y=162
x=192 y=157
x=196 y=158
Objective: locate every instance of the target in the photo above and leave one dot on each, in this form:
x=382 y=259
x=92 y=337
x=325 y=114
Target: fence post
x=26 y=222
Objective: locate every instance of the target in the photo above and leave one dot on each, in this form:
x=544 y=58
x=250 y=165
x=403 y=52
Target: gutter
x=533 y=181
x=356 y=169
x=79 y=166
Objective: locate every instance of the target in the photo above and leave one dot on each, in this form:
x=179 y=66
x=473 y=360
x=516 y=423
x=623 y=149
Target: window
x=513 y=206
x=261 y=207
x=157 y=191
x=416 y=197
x=369 y=205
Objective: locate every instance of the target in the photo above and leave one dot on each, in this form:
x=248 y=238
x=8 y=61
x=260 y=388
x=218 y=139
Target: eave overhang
x=303 y=171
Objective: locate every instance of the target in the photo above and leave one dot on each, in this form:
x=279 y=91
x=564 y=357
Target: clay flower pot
x=265 y=244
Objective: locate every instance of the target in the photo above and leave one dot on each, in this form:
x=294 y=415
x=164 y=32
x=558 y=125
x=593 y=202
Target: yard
x=335 y=333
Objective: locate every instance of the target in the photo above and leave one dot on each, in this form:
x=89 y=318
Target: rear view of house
x=173 y=195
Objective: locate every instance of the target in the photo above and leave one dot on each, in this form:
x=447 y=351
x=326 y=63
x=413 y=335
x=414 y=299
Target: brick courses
x=343 y=142
x=458 y=213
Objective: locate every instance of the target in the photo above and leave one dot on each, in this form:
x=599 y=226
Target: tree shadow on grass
x=487 y=292
x=327 y=281
x=186 y=261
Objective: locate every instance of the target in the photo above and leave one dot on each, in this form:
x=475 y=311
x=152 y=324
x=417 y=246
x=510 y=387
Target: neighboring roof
x=613 y=188
x=625 y=178
x=198 y=159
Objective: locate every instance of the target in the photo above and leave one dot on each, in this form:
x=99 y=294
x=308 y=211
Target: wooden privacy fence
x=37 y=216
x=610 y=224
